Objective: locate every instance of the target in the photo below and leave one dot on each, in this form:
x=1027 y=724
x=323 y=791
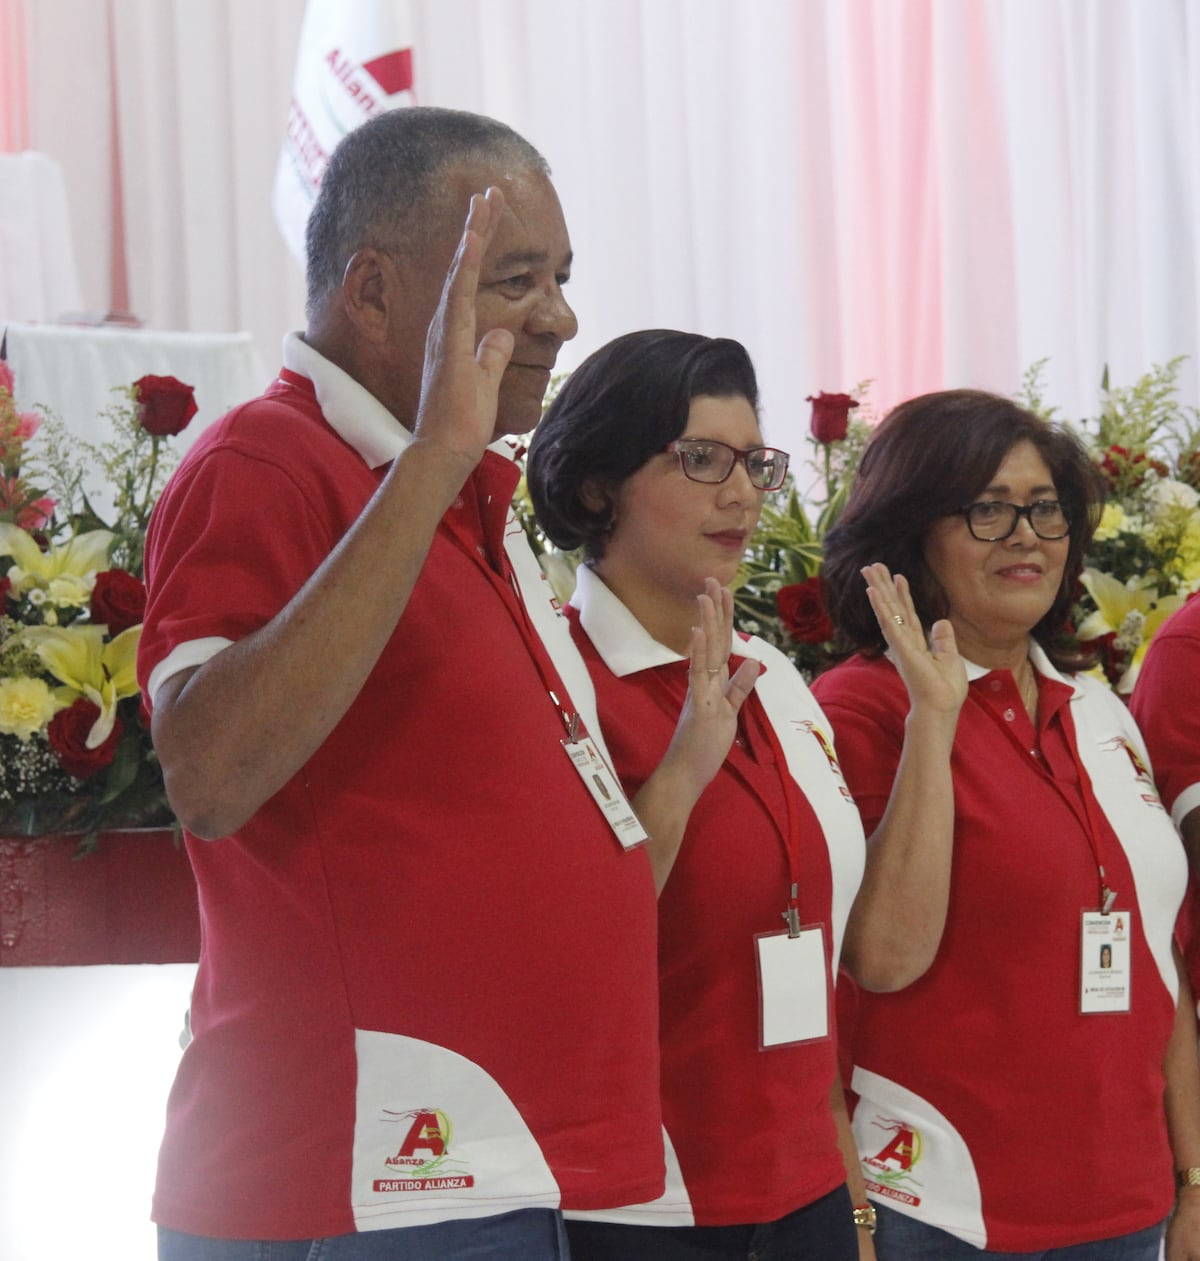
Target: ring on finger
x=897 y=619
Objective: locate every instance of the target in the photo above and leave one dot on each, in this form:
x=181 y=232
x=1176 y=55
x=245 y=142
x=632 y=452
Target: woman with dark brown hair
x=1010 y=1098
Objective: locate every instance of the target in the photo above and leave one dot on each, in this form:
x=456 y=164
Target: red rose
x=1112 y=660
x=165 y=405
x=802 y=608
x=118 y=600
x=5 y=588
x=68 y=733
x=1122 y=467
x=830 y=416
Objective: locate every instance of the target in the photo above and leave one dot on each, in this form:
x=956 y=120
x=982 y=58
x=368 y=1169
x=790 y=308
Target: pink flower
x=36 y=516
x=6 y=376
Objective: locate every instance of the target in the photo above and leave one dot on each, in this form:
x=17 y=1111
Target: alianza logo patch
x=1140 y=769
x=423 y=1161
x=889 y=1171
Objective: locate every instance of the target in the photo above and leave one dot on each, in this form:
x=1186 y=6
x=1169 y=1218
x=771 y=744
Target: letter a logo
x=428 y=1132
x=903 y=1149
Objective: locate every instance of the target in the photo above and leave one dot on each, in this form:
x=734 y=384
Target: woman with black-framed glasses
x=1020 y=1003
x=651 y=460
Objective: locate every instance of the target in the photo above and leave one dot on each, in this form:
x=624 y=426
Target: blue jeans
x=531 y=1234
x=903 y=1238
x=821 y=1231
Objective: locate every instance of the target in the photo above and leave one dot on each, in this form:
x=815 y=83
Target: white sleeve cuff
x=184 y=657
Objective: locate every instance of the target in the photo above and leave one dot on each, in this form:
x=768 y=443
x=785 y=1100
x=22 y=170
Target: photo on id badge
x=1104 y=962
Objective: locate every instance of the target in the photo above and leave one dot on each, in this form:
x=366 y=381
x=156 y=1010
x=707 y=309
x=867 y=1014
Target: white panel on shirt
x=435 y=1138
x=672 y=1208
x=1108 y=738
x=914 y=1160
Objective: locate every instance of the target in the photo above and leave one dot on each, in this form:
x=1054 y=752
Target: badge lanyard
x=1105 y=962
x=1083 y=810
x=793 y=965
x=594 y=772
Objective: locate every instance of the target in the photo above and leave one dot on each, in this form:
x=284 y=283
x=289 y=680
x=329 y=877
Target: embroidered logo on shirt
x=808 y=727
x=1140 y=769
x=423 y=1161
x=889 y=1171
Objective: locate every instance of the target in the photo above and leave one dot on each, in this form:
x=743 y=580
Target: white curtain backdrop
x=921 y=192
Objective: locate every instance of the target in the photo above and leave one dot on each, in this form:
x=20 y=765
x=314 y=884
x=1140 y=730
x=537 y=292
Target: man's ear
x=369 y=287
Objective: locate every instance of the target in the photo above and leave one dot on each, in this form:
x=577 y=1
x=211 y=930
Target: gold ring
x=897 y=619
x=716 y=671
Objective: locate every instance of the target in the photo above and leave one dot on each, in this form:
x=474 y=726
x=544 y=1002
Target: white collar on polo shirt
x=353 y=412
x=624 y=644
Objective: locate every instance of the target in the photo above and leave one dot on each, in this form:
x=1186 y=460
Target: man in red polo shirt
x=1163 y=702
x=425 y=1015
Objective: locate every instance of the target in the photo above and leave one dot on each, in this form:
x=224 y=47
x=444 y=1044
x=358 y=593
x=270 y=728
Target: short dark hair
x=620 y=407
x=931 y=456
x=384 y=177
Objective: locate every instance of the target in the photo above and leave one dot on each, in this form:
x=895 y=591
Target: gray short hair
x=386 y=175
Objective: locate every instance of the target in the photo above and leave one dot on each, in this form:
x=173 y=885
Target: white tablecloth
x=72 y=371
x=38 y=280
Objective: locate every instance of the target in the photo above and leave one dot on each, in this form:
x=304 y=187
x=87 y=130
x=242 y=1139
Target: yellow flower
x=1112 y=522
x=103 y=672
x=26 y=706
x=1134 y=610
x=65 y=575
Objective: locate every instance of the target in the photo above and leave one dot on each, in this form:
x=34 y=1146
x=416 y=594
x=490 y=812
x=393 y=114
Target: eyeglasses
x=992 y=520
x=706 y=460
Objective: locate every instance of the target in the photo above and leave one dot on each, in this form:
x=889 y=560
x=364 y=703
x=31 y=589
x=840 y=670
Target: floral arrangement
x=778 y=593
x=1145 y=558
x=1143 y=564
x=75 y=751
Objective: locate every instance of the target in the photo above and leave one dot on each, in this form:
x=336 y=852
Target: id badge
x=793 y=987
x=605 y=791
x=1104 y=969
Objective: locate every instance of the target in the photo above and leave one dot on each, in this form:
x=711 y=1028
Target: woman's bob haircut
x=619 y=408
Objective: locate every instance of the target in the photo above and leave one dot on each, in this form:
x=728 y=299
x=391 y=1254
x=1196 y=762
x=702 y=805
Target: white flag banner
x=355 y=61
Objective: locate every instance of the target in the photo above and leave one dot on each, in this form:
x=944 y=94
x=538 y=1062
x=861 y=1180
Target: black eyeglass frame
x=1018 y=511
x=682 y=445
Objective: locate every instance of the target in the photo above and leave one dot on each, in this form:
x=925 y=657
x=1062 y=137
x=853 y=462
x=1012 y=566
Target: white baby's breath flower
x=1129 y=635
x=1167 y=498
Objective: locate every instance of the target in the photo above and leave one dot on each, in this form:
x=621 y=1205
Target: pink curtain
x=14 y=88
x=933 y=193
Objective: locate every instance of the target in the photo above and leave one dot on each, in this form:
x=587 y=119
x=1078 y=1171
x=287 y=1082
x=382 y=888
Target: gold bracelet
x=864 y=1215
x=1187 y=1177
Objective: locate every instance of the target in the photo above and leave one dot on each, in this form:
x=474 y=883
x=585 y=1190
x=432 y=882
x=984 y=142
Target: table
x=71 y=370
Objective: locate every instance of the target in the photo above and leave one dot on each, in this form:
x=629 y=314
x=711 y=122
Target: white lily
x=1133 y=610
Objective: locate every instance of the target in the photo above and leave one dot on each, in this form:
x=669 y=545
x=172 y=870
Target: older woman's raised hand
x=931 y=668
x=896 y=925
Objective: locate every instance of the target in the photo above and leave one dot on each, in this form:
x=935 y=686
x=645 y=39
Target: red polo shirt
x=980 y=1083
x=751 y=1133
x=426 y=987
